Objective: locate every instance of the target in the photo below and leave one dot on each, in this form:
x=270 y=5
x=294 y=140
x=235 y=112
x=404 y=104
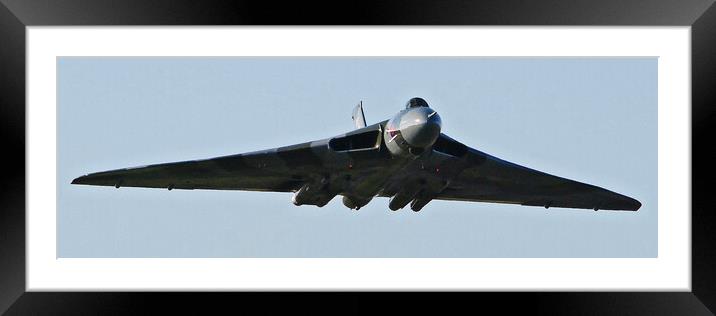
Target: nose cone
x=420 y=127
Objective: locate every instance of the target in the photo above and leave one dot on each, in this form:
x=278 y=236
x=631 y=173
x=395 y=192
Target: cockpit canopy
x=416 y=103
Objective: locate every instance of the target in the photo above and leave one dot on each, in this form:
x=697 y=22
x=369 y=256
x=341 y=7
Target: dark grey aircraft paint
x=406 y=158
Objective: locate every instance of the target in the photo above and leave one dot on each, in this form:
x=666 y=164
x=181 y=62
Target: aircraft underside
x=406 y=158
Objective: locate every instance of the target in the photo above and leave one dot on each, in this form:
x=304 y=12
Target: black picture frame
x=15 y=15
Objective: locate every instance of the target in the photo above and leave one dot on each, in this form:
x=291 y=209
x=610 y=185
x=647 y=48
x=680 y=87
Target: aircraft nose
x=421 y=127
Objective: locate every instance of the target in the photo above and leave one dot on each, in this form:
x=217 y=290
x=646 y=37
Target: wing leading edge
x=491 y=179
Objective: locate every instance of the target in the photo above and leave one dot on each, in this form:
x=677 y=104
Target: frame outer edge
x=394 y=12
x=703 y=124
x=12 y=191
x=12 y=98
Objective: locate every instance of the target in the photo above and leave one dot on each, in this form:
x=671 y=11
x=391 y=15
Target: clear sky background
x=589 y=119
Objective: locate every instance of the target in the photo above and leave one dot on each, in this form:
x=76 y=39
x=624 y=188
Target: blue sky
x=589 y=119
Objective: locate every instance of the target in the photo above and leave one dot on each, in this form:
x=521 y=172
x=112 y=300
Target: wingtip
x=77 y=180
x=637 y=205
x=631 y=204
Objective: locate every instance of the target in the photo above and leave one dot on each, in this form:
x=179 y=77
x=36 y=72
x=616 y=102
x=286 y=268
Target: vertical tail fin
x=358 y=116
